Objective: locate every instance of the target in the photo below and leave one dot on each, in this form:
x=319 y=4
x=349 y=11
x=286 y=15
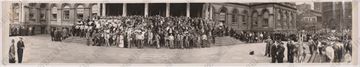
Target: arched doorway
x=222 y=15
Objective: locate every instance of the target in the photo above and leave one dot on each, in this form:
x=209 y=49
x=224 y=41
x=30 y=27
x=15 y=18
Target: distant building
x=309 y=19
x=258 y=17
x=337 y=15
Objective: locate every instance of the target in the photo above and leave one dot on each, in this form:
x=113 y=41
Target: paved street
x=39 y=49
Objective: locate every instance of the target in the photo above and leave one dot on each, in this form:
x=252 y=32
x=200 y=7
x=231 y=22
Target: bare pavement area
x=40 y=49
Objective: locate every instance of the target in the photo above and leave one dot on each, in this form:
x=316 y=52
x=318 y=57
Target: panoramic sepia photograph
x=188 y=32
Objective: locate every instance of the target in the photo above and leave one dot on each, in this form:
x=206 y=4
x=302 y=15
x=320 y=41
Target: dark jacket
x=280 y=51
x=20 y=45
x=12 y=54
x=273 y=50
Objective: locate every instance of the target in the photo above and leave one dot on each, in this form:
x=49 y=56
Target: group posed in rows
x=152 y=31
x=322 y=48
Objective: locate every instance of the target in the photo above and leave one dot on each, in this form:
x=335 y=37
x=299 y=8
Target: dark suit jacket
x=280 y=51
x=20 y=45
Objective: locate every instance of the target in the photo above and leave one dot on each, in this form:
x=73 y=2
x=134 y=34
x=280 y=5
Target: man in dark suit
x=273 y=52
x=20 y=49
x=291 y=51
x=280 y=52
x=52 y=34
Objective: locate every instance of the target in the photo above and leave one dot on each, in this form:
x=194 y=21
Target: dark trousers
x=20 y=55
x=273 y=59
x=12 y=60
x=280 y=59
x=290 y=58
x=139 y=43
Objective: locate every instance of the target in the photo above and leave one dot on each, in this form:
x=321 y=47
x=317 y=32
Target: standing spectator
x=268 y=42
x=273 y=52
x=280 y=52
x=20 y=49
x=291 y=51
x=12 y=52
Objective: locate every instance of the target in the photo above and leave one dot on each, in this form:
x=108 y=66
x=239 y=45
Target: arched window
x=54 y=11
x=244 y=16
x=234 y=16
x=80 y=11
x=95 y=10
x=67 y=12
x=42 y=13
x=265 y=18
x=222 y=15
x=254 y=19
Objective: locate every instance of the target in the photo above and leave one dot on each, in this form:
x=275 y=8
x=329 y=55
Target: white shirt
x=171 y=37
x=204 y=37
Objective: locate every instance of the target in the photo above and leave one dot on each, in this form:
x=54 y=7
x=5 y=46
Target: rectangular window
x=17 y=16
x=222 y=16
x=66 y=14
x=243 y=18
x=42 y=16
x=80 y=16
x=31 y=15
x=54 y=16
x=94 y=14
x=266 y=22
x=234 y=18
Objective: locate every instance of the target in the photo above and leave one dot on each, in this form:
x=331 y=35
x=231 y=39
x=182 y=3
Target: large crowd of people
x=140 y=31
x=322 y=47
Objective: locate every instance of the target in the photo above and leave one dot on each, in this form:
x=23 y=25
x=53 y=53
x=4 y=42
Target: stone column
x=167 y=9
x=124 y=12
x=98 y=13
x=103 y=9
x=146 y=9
x=22 y=13
x=206 y=11
x=59 y=16
x=211 y=12
x=187 y=9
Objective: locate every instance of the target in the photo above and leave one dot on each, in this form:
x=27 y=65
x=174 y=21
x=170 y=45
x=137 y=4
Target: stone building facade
x=42 y=16
x=258 y=17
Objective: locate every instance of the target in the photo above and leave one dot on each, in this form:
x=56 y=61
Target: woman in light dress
x=120 y=40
